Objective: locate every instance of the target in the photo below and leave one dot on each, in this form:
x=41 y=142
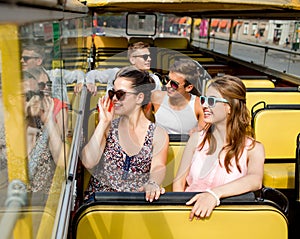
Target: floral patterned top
x=119 y=172
x=41 y=164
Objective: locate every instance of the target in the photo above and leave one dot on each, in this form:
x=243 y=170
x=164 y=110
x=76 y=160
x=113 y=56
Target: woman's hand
x=204 y=204
x=152 y=190
x=106 y=110
x=48 y=106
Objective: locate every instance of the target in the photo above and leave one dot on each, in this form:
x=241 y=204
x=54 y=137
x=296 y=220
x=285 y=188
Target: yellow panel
x=258 y=83
x=280 y=175
x=175 y=152
x=272 y=98
x=13 y=103
x=285 y=125
x=171 y=43
x=110 y=42
x=31 y=216
x=148 y=222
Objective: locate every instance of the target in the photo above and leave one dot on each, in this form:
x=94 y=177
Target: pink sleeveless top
x=216 y=174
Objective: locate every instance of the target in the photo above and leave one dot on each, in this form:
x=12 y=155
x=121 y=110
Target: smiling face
x=141 y=59
x=30 y=59
x=218 y=113
x=178 y=79
x=128 y=102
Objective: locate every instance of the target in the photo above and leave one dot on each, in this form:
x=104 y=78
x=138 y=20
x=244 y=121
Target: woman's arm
x=93 y=150
x=55 y=131
x=158 y=165
x=252 y=181
x=185 y=163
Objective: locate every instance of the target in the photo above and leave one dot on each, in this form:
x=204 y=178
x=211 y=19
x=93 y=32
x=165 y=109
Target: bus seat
x=175 y=152
x=89 y=42
x=215 y=69
x=171 y=43
x=297 y=176
x=258 y=83
x=31 y=215
x=112 y=217
x=279 y=175
x=148 y=40
x=110 y=42
x=112 y=64
x=272 y=96
x=277 y=130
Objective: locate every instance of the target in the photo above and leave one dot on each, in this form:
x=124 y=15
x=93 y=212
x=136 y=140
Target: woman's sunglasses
x=174 y=84
x=26 y=58
x=120 y=94
x=211 y=101
x=30 y=94
x=144 y=56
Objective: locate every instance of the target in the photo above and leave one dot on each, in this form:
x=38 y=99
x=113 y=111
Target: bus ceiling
x=205 y=9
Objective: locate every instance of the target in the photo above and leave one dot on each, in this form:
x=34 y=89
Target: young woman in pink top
x=223 y=159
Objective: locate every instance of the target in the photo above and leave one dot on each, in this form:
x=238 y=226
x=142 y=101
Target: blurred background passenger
x=138 y=55
x=33 y=56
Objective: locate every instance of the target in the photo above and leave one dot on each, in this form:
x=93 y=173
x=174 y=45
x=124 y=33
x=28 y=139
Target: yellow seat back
x=258 y=83
x=271 y=97
x=158 y=221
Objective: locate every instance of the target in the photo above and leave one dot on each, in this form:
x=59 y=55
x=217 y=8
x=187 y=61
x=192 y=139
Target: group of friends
x=128 y=148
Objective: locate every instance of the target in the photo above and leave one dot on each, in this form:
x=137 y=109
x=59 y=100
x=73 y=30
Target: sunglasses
x=42 y=85
x=174 y=84
x=26 y=58
x=145 y=56
x=211 y=101
x=120 y=94
x=30 y=94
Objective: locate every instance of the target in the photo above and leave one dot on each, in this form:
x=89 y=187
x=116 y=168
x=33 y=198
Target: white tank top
x=176 y=121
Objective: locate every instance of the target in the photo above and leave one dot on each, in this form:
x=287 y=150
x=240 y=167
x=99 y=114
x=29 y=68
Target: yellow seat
x=175 y=152
x=169 y=221
x=279 y=175
x=278 y=137
x=258 y=83
x=171 y=43
x=271 y=97
x=110 y=42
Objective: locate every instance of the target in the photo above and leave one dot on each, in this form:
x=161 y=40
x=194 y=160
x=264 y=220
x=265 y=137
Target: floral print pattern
x=116 y=170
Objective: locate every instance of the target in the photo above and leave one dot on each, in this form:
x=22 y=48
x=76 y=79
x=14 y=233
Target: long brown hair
x=238 y=126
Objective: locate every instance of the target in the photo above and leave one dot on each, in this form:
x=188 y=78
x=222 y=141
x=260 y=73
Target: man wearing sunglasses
x=138 y=56
x=178 y=109
x=33 y=57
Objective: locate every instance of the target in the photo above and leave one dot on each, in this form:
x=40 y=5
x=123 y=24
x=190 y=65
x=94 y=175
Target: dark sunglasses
x=211 y=101
x=42 y=85
x=26 y=58
x=30 y=94
x=173 y=84
x=120 y=94
x=145 y=56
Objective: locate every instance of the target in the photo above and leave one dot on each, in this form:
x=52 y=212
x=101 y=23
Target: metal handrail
x=62 y=221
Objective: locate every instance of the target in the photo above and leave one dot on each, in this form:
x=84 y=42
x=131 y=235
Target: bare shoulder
x=194 y=139
x=160 y=140
x=258 y=151
x=161 y=133
x=157 y=96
